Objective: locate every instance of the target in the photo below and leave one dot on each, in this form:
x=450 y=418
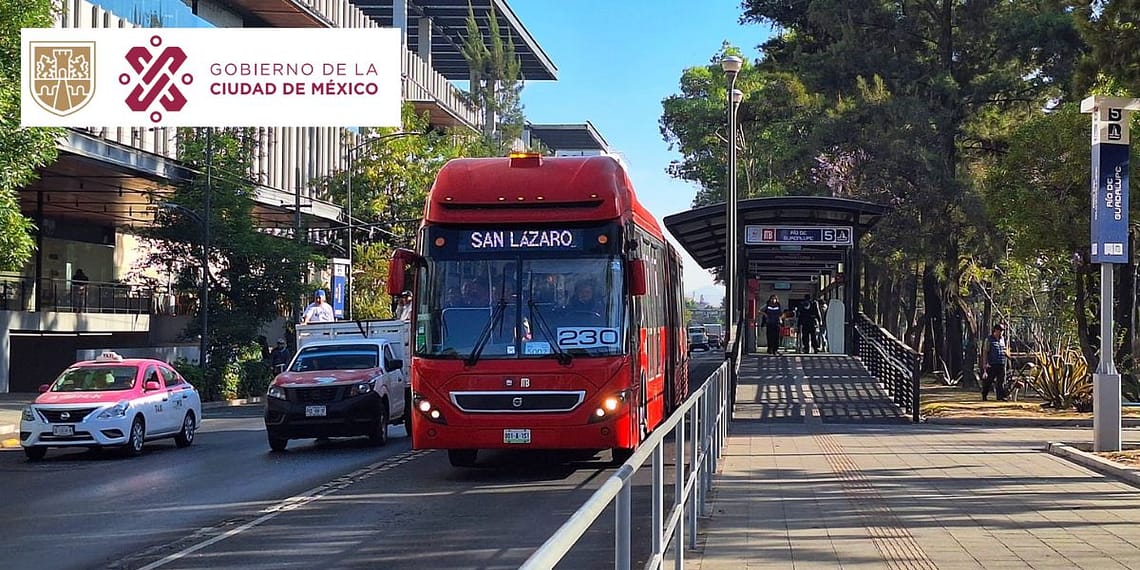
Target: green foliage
x=254 y=277
x=392 y=173
x=22 y=150
x=1061 y=379
x=1113 y=36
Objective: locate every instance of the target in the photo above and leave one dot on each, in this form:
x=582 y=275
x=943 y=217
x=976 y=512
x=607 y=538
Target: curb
x=1024 y=422
x=1129 y=475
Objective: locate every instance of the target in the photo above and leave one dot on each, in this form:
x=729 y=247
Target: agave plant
x=1062 y=379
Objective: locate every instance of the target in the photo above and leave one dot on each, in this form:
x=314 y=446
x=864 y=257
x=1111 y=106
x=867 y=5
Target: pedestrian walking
x=995 y=356
x=771 y=318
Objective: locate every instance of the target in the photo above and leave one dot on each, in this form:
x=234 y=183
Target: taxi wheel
x=186 y=436
x=134 y=446
x=278 y=443
x=379 y=435
x=35 y=453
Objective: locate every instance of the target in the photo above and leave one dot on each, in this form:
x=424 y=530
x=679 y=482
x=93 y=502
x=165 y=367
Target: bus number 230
x=587 y=337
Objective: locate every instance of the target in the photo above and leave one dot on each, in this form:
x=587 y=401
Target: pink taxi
x=111 y=402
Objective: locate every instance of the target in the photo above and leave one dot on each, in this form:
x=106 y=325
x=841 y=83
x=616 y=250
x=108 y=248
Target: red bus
x=548 y=310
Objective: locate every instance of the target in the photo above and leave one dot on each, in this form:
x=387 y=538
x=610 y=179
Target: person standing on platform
x=771 y=320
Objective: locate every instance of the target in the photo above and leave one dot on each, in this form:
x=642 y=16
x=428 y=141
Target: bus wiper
x=563 y=357
x=485 y=336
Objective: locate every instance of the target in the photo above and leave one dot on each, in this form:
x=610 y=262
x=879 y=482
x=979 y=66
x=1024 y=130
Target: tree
x=391 y=176
x=495 y=80
x=22 y=150
x=253 y=276
x=921 y=94
x=1110 y=28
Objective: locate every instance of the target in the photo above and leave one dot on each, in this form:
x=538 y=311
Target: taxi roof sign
x=109 y=356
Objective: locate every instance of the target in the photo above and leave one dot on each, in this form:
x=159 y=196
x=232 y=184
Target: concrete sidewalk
x=802 y=486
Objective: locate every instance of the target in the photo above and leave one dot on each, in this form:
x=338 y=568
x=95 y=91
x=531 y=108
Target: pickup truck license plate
x=315 y=411
x=63 y=431
x=516 y=436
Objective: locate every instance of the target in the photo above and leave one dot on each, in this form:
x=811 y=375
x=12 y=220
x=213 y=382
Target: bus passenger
x=473 y=293
x=584 y=300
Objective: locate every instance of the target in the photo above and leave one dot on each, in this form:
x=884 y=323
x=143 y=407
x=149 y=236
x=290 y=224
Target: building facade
x=82 y=291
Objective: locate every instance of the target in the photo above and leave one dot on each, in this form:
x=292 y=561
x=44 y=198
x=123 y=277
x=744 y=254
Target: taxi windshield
x=96 y=379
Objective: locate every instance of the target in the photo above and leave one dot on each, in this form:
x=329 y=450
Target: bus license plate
x=63 y=431
x=516 y=436
x=315 y=411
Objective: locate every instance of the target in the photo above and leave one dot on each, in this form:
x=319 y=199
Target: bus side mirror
x=397 y=269
x=637 y=286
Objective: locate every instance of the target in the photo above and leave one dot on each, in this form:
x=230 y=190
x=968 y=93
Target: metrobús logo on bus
x=524 y=239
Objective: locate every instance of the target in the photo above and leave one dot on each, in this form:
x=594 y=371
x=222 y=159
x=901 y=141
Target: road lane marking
x=292 y=503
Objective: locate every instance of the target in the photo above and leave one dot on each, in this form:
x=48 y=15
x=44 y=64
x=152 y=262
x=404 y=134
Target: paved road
x=102 y=506
x=227 y=502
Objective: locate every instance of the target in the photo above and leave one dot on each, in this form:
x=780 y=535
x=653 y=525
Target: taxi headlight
x=119 y=410
x=29 y=414
x=276 y=392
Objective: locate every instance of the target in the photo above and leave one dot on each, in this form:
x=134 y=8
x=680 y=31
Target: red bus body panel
x=490 y=192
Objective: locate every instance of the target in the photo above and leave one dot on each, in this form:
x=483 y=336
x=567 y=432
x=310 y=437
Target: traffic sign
x=798 y=235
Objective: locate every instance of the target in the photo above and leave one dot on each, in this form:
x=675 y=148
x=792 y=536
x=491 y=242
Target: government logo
x=62 y=75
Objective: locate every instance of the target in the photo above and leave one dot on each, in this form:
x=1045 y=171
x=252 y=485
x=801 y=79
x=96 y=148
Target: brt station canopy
x=788 y=245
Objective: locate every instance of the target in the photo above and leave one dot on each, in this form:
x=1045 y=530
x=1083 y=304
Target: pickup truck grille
x=517 y=402
x=314 y=395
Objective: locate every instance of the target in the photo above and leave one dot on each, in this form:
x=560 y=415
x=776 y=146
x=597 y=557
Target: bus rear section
x=548 y=311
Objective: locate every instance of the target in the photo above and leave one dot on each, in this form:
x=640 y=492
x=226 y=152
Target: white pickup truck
x=347 y=379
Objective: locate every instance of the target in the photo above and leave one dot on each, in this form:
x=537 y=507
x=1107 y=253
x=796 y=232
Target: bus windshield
x=524 y=306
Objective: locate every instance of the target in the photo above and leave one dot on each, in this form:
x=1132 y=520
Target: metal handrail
x=707 y=408
x=890 y=361
x=63 y=295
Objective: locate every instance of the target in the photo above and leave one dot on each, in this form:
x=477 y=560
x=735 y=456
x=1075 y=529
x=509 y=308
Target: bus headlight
x=610 y=406
x=427 y=409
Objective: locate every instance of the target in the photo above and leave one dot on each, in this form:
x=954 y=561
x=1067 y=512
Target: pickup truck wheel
x=379 y=435
x=278 y=443
x=408 y=421
x=462 y=457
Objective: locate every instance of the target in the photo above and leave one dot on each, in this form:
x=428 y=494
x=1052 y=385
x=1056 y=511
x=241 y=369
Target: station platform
x=821 y=470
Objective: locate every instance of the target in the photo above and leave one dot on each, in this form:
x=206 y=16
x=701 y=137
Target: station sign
x=798 y=235
x=1109 y=190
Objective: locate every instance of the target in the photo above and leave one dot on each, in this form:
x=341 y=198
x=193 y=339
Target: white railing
x=706 y=415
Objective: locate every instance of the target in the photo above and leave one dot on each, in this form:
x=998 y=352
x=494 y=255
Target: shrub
x=1061 y=379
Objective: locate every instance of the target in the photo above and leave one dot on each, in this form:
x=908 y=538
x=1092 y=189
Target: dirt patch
x=1130 y=458
x=941 y=401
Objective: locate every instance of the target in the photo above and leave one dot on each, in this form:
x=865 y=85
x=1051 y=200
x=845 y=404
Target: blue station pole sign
x=797 y=235
x=1109 y=188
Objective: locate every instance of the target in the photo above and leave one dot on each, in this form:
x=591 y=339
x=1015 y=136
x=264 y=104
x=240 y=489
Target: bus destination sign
x=797 y=235
x=495 y=240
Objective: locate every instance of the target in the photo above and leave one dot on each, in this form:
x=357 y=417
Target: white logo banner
x=221 y=77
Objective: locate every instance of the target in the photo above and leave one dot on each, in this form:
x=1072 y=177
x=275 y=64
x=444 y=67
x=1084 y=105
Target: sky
x=617 y=60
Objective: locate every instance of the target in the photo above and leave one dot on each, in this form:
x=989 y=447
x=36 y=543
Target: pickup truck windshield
x=340 y=357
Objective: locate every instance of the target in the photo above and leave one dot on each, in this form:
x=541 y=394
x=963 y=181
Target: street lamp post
x=351 y=223
x=731 y=65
